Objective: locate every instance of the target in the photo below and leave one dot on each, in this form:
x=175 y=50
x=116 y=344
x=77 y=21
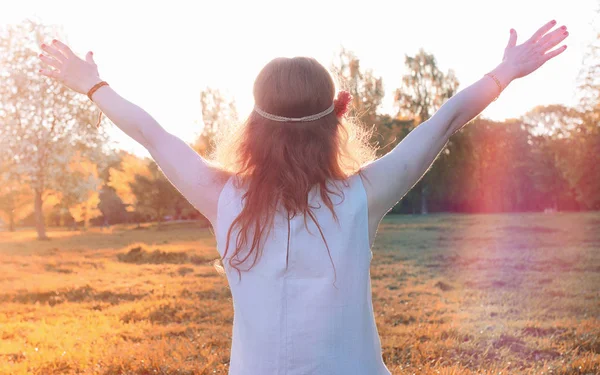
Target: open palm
x=75 y=73
x=533 y=53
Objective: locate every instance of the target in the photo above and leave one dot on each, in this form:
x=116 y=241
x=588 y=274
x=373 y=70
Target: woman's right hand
x=526 y=58
x=77 y=74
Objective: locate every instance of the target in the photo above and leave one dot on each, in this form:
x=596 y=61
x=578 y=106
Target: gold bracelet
x=497 y=83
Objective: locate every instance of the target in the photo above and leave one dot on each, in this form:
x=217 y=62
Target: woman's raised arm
x=393 y=175
x=518 y=62
x=195 y=178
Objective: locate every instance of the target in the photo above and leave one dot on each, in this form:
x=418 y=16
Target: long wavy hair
x=280 y=162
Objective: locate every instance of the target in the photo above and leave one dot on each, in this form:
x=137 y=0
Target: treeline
x=54 y=169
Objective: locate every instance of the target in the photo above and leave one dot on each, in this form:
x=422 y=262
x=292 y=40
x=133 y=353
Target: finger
x=543 y=30
x=554 y=53
x=512 y=41
x=53 y=52
x=90 y=58
x=50 y=73
x=552 y=39
x=50 y=61
x=63 y=48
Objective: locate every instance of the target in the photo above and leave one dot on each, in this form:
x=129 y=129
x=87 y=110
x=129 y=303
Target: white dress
x=295 y=321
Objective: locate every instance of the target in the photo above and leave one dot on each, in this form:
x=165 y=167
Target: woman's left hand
x=77 y=74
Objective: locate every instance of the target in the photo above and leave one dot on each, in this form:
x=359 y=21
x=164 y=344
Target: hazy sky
x=161 y=54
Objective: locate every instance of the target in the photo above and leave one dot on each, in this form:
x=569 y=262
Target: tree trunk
x=424 y=199
x=11 y=223
x=40 y=225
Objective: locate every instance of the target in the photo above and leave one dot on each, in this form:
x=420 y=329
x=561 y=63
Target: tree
x=423 y=90
x=549 y=128
x=392 y=130
x=580 y=158
x=121 y=178
x=579 y=161
x=550 y=183
x=366 y=89
x=144 y=190
x=43 y=123
x=83 y=201
x=112 y=207
x=570 y=144
x=217 y=111
x=554 y=121
x=589 y=83
x=155 y=195
x=15 y=198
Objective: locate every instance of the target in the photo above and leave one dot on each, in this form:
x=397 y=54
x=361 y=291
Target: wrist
x=87 y=86
x=92 y=90
x=505 y=74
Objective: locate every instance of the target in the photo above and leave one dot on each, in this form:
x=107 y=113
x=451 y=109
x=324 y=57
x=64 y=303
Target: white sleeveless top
x=294 y=321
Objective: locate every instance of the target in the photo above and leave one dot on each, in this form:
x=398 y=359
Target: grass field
x=452 y=294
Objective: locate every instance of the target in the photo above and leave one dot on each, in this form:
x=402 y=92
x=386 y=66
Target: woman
x=297 y=185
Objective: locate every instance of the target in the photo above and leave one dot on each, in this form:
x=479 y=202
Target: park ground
x=452 y=294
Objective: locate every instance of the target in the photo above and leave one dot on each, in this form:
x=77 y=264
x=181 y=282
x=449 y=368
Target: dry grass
x=453 y=294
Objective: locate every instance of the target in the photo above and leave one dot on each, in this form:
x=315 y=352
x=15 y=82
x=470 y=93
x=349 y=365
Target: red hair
x=280 y=162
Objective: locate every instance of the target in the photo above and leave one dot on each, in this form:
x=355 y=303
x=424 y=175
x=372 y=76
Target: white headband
x=294 y=119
